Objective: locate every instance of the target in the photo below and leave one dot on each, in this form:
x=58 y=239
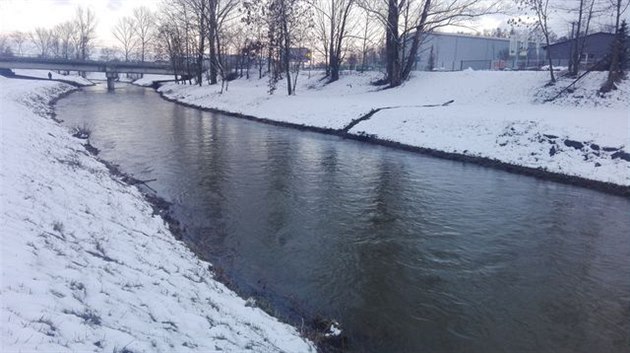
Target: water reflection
x=409 y=253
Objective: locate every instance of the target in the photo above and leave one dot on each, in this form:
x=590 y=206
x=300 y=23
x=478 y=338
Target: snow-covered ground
x=147 y=80
x=43 y=74
x=496 y=115
x=87 y=266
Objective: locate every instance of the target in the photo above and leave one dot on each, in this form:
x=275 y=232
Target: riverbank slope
x=87 y=266
x=498 y=116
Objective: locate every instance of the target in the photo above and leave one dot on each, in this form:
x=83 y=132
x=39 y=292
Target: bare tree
x=541 y=10
x=258 y=26
x=236 y=44
x=369 y=36
x=198 y=20
x=219 y=13
x=574 y=63
x=289 y=22
x=334 y=22
x=187 y=29
x=65 y=35
x=186 y=22
x=5 y=47
x=125 y=33
x=178 y=32
x=591 y=12
x=144 y=29
x=85 y=21
x=18 y=38
x=171 y=40
x=42 y=38
x=322 y=45
x=406 y=21
x=585 y=11
x=213 y=35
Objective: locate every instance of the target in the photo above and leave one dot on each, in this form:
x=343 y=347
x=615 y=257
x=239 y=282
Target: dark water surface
x=409 y=253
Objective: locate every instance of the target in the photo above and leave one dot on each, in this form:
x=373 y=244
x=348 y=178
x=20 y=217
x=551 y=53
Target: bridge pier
x=111 y=78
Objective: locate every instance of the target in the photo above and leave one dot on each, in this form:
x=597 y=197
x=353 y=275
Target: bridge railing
x=110 y=63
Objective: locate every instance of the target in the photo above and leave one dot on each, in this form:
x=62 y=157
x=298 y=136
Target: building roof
x=463 y=35
x=561 y=42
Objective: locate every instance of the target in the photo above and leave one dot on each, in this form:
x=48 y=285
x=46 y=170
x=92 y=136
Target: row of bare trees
x=72 y=39
x=584 y=13
x=189 y=31
x=136 y=33
x=274 y=34
x=75 y=39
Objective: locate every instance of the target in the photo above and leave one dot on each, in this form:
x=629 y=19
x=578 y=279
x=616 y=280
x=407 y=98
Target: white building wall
x=451 y=49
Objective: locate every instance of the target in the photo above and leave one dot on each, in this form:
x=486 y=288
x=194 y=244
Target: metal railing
x=113 y=63
x=511 y=64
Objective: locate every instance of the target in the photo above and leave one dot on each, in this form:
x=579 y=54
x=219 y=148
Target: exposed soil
x=540 y=173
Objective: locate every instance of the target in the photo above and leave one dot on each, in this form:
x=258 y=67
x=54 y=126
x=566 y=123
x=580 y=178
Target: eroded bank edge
x=539 y=173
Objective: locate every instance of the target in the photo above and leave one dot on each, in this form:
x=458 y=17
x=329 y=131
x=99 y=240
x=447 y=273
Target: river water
x=409 y=253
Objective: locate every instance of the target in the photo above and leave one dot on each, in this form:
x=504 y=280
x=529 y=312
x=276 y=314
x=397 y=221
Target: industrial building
x=450 y=52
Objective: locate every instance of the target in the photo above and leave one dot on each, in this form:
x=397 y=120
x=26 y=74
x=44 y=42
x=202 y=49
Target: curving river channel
x=409 y=253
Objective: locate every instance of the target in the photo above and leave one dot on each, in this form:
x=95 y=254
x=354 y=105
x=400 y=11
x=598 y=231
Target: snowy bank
x=43 y=74
x=495 y=115
x=149 y=80
x=87 y=266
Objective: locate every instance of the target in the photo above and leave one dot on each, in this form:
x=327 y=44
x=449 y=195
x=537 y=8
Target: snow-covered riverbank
x=87 y=266
x=495 y=115
x=74 y=78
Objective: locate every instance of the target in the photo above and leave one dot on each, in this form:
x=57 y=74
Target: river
x=409 y=253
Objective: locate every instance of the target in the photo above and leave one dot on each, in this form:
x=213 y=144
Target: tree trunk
x=333 y=64
x=213 y=58
x=332 y=68
x=212 y=29
x=286 y=41
x=576 y=46
x=392 y=45
x=415 y=44
x=287 y=57
x=589 y=16
x=364 y=46
x=614 y=72
x=333 y=53
x=338 y=43
x=541 y=13
x=553 y=77
x=202 y=39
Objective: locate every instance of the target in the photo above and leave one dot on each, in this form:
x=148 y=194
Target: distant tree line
x=72 y=39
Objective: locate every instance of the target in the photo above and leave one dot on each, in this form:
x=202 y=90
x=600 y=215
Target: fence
x=524 y=64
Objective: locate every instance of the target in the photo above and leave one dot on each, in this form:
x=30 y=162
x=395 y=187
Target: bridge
x=110 y=68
